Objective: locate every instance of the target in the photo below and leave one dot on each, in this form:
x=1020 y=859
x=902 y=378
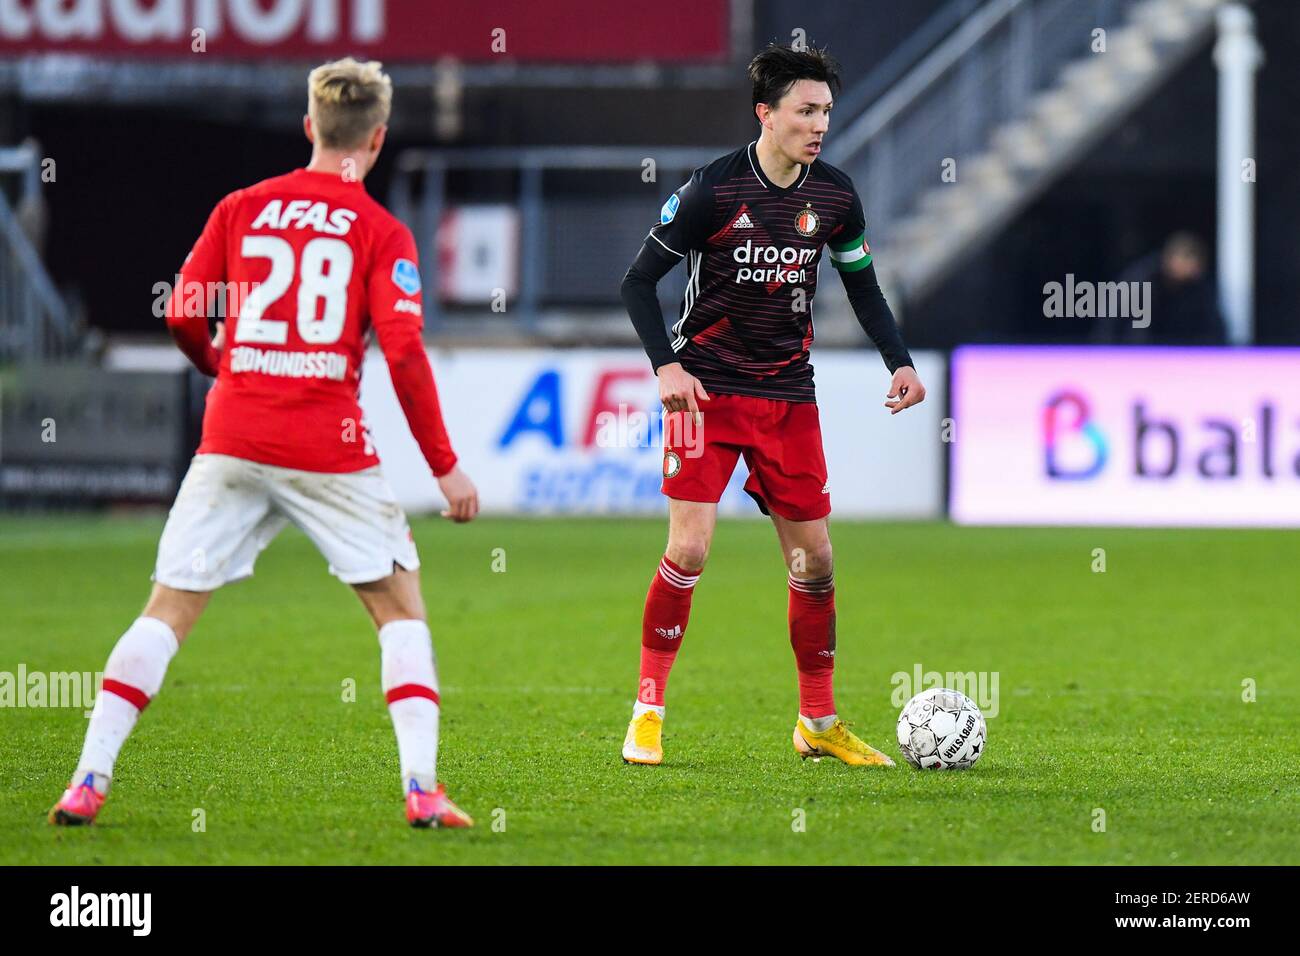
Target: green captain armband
x=852 y=255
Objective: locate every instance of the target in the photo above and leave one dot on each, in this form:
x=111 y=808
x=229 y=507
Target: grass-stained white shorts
x=228 y=509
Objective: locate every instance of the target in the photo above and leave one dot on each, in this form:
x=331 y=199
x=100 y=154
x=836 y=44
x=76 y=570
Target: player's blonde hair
x=346 y=100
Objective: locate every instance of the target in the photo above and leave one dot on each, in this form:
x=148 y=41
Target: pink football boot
x=78 y=805
x=434 y=809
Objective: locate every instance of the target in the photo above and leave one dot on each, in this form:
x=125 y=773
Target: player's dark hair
x=778 y=68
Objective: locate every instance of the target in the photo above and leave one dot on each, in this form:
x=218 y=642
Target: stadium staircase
x=1015 y=95
x=37 y=324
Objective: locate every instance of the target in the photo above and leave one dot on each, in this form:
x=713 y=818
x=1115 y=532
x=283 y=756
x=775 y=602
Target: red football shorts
x=782 y=445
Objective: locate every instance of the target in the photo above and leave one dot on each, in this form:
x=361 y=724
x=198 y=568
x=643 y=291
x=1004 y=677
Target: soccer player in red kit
x=310 y=265
x=735 y=378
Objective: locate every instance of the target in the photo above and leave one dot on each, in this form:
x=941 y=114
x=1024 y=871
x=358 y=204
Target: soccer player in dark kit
x=735 y=378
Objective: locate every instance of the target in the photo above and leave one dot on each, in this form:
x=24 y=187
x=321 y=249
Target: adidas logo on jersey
x=743 y=222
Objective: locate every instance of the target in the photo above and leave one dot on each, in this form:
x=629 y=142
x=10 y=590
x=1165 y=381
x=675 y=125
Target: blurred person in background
x=1184 y=302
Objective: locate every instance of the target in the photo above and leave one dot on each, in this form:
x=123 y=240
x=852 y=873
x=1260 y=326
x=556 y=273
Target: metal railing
x=36 y=324
x=985 y=73
x=574 y=246
x=857 y=98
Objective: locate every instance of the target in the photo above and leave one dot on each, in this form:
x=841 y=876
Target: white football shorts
x=228 y=509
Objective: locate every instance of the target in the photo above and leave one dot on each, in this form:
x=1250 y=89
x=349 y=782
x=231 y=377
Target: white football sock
x=639 y=708
x=410 y=683
x=819 y=725
x=138 y=663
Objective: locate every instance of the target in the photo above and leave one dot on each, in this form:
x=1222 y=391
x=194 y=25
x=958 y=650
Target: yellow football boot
x=644 y=740
x=838 y=742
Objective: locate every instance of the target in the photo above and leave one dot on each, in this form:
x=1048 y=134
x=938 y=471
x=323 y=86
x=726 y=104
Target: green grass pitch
x=1119 y=691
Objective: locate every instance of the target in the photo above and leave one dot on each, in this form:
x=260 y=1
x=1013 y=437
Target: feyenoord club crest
x=806 y=221
x=672 y=464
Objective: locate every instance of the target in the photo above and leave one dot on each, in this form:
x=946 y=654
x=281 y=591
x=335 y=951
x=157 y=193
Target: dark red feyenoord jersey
x=315 y=263
x=752 y=251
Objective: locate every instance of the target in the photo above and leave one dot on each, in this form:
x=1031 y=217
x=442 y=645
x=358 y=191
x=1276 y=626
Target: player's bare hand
x=905 y=390
x=219 y=340
x=680 y=391
x=461 y=495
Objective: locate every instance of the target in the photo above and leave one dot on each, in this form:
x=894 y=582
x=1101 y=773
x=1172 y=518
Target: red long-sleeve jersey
x=302 y=267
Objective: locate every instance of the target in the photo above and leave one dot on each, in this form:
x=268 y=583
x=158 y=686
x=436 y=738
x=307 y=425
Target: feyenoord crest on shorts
x=672 y=464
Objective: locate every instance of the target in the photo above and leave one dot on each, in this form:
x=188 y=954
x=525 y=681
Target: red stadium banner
x=557 y=31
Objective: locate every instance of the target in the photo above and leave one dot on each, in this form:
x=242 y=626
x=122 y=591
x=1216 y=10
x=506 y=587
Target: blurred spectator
x=1184 y=301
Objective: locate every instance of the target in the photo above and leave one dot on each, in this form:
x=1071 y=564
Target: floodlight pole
x=1237 y=55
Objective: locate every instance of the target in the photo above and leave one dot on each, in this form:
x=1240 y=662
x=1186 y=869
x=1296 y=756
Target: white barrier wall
x=1126 y=436
x=577 y=432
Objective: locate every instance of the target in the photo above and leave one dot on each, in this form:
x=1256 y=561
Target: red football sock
x=812 y=635
x=667 y=609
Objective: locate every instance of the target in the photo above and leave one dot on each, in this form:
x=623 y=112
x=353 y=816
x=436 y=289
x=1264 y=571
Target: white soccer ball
x=940 y=729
